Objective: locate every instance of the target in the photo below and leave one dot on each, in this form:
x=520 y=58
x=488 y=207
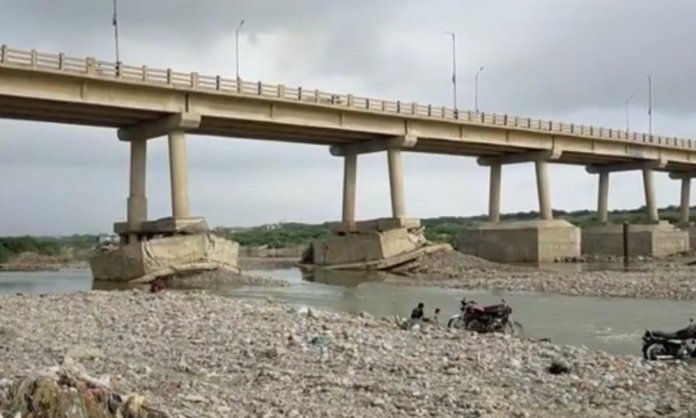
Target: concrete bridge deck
x=56 y=88
x=145 y=103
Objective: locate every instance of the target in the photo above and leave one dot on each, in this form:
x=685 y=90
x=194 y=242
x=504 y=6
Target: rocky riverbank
x=194 y=354
x=221 y=278
x=659 y=280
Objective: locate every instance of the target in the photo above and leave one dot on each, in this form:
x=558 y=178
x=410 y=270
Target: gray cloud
x=573 y=61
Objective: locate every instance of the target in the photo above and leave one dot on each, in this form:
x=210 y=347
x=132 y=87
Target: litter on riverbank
x=196 y=354
x=68 y=392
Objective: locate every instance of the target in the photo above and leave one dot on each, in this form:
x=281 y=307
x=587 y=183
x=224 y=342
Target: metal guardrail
x=195 y=81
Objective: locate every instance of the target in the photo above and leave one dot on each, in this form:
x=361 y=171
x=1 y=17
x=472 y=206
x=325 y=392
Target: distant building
x=271 y=227
x=107 y=239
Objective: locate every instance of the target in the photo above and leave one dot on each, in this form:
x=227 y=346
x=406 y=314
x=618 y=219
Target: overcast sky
x=575 y=61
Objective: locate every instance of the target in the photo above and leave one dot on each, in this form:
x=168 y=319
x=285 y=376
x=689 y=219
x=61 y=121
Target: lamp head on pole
x=241 y=23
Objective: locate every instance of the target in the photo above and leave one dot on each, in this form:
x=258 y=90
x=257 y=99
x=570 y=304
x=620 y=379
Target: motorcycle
x=482 y=319
x=659 y=345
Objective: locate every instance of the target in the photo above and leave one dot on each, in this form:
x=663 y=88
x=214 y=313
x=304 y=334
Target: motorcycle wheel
x=652 y=350
x=456 y=322
x=475 y=325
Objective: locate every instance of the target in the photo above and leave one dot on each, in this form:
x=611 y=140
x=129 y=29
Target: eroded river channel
x=611 y=324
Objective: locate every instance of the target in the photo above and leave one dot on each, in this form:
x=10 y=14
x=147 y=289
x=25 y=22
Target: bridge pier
x=396 y=183
x=350 y=175
x=542 y=179
x=649 y=188
x=178 y=171
x=494 y=192
x=685 y=205
x=656 y=238
x=538 y=241
x=603 y=198
x=376 y=244
x=137 y=198
x=163 y=247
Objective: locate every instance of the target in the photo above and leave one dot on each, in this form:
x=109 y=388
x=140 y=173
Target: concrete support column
x=350 y=172
x=542 y=177
x=137 y=200
x=649 y=186
x=396 y=183
x=178 y=170
x=685 y=200
x=494 y=193
x=603 y=197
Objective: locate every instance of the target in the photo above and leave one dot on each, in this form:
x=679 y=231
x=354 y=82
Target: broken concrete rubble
x=144 y=261
x=378 y=244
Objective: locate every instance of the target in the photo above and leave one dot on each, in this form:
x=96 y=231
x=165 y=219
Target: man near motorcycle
x=417 y=312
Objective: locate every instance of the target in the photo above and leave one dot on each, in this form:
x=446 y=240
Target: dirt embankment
x=40 y=262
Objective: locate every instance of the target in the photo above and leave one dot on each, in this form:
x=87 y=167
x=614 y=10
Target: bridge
x=144 y=103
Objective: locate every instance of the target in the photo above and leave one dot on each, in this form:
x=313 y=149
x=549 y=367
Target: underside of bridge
x=141 y=109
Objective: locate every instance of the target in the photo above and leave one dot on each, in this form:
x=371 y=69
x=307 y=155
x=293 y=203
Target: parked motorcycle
x=659 y=345
x=479 y=318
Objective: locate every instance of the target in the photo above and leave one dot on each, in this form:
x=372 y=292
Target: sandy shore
x=659 y=280
x=195 y=354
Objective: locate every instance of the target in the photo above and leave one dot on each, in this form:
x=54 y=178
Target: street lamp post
x=236 y=47
x=454 y=69
x=115 y=23
x=649 y=103
x=628 y=126
x=476 y=90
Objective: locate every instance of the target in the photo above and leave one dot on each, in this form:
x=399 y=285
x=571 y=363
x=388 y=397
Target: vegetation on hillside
x=280 y=235
x=15 y=245
x=443 y=229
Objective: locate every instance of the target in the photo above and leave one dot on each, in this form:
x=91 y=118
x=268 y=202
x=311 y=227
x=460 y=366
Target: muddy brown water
x=611 y=324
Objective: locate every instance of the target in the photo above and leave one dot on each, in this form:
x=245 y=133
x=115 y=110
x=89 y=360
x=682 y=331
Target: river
x=611 y=324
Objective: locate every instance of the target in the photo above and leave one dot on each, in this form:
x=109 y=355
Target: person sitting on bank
x=416 y=317
x=436 y=316
x=435 y=319
x=417 y=312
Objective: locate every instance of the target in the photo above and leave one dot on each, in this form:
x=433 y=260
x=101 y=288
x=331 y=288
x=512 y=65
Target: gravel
x=651 y=280
x=200 y=355
x=222 y=278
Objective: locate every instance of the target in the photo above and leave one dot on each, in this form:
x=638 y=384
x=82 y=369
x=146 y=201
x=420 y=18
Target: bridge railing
x=194 y=81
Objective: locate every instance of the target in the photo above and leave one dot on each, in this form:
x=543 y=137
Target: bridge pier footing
x=535 y=241
x=654 y=240
x=179 y=244
x=377 y=244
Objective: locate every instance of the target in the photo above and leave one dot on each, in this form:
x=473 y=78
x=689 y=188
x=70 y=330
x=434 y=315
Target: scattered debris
x=558 y=367
x=69 y=392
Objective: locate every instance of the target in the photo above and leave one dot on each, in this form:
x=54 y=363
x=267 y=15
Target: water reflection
x=577 y=267
x=341 y=277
